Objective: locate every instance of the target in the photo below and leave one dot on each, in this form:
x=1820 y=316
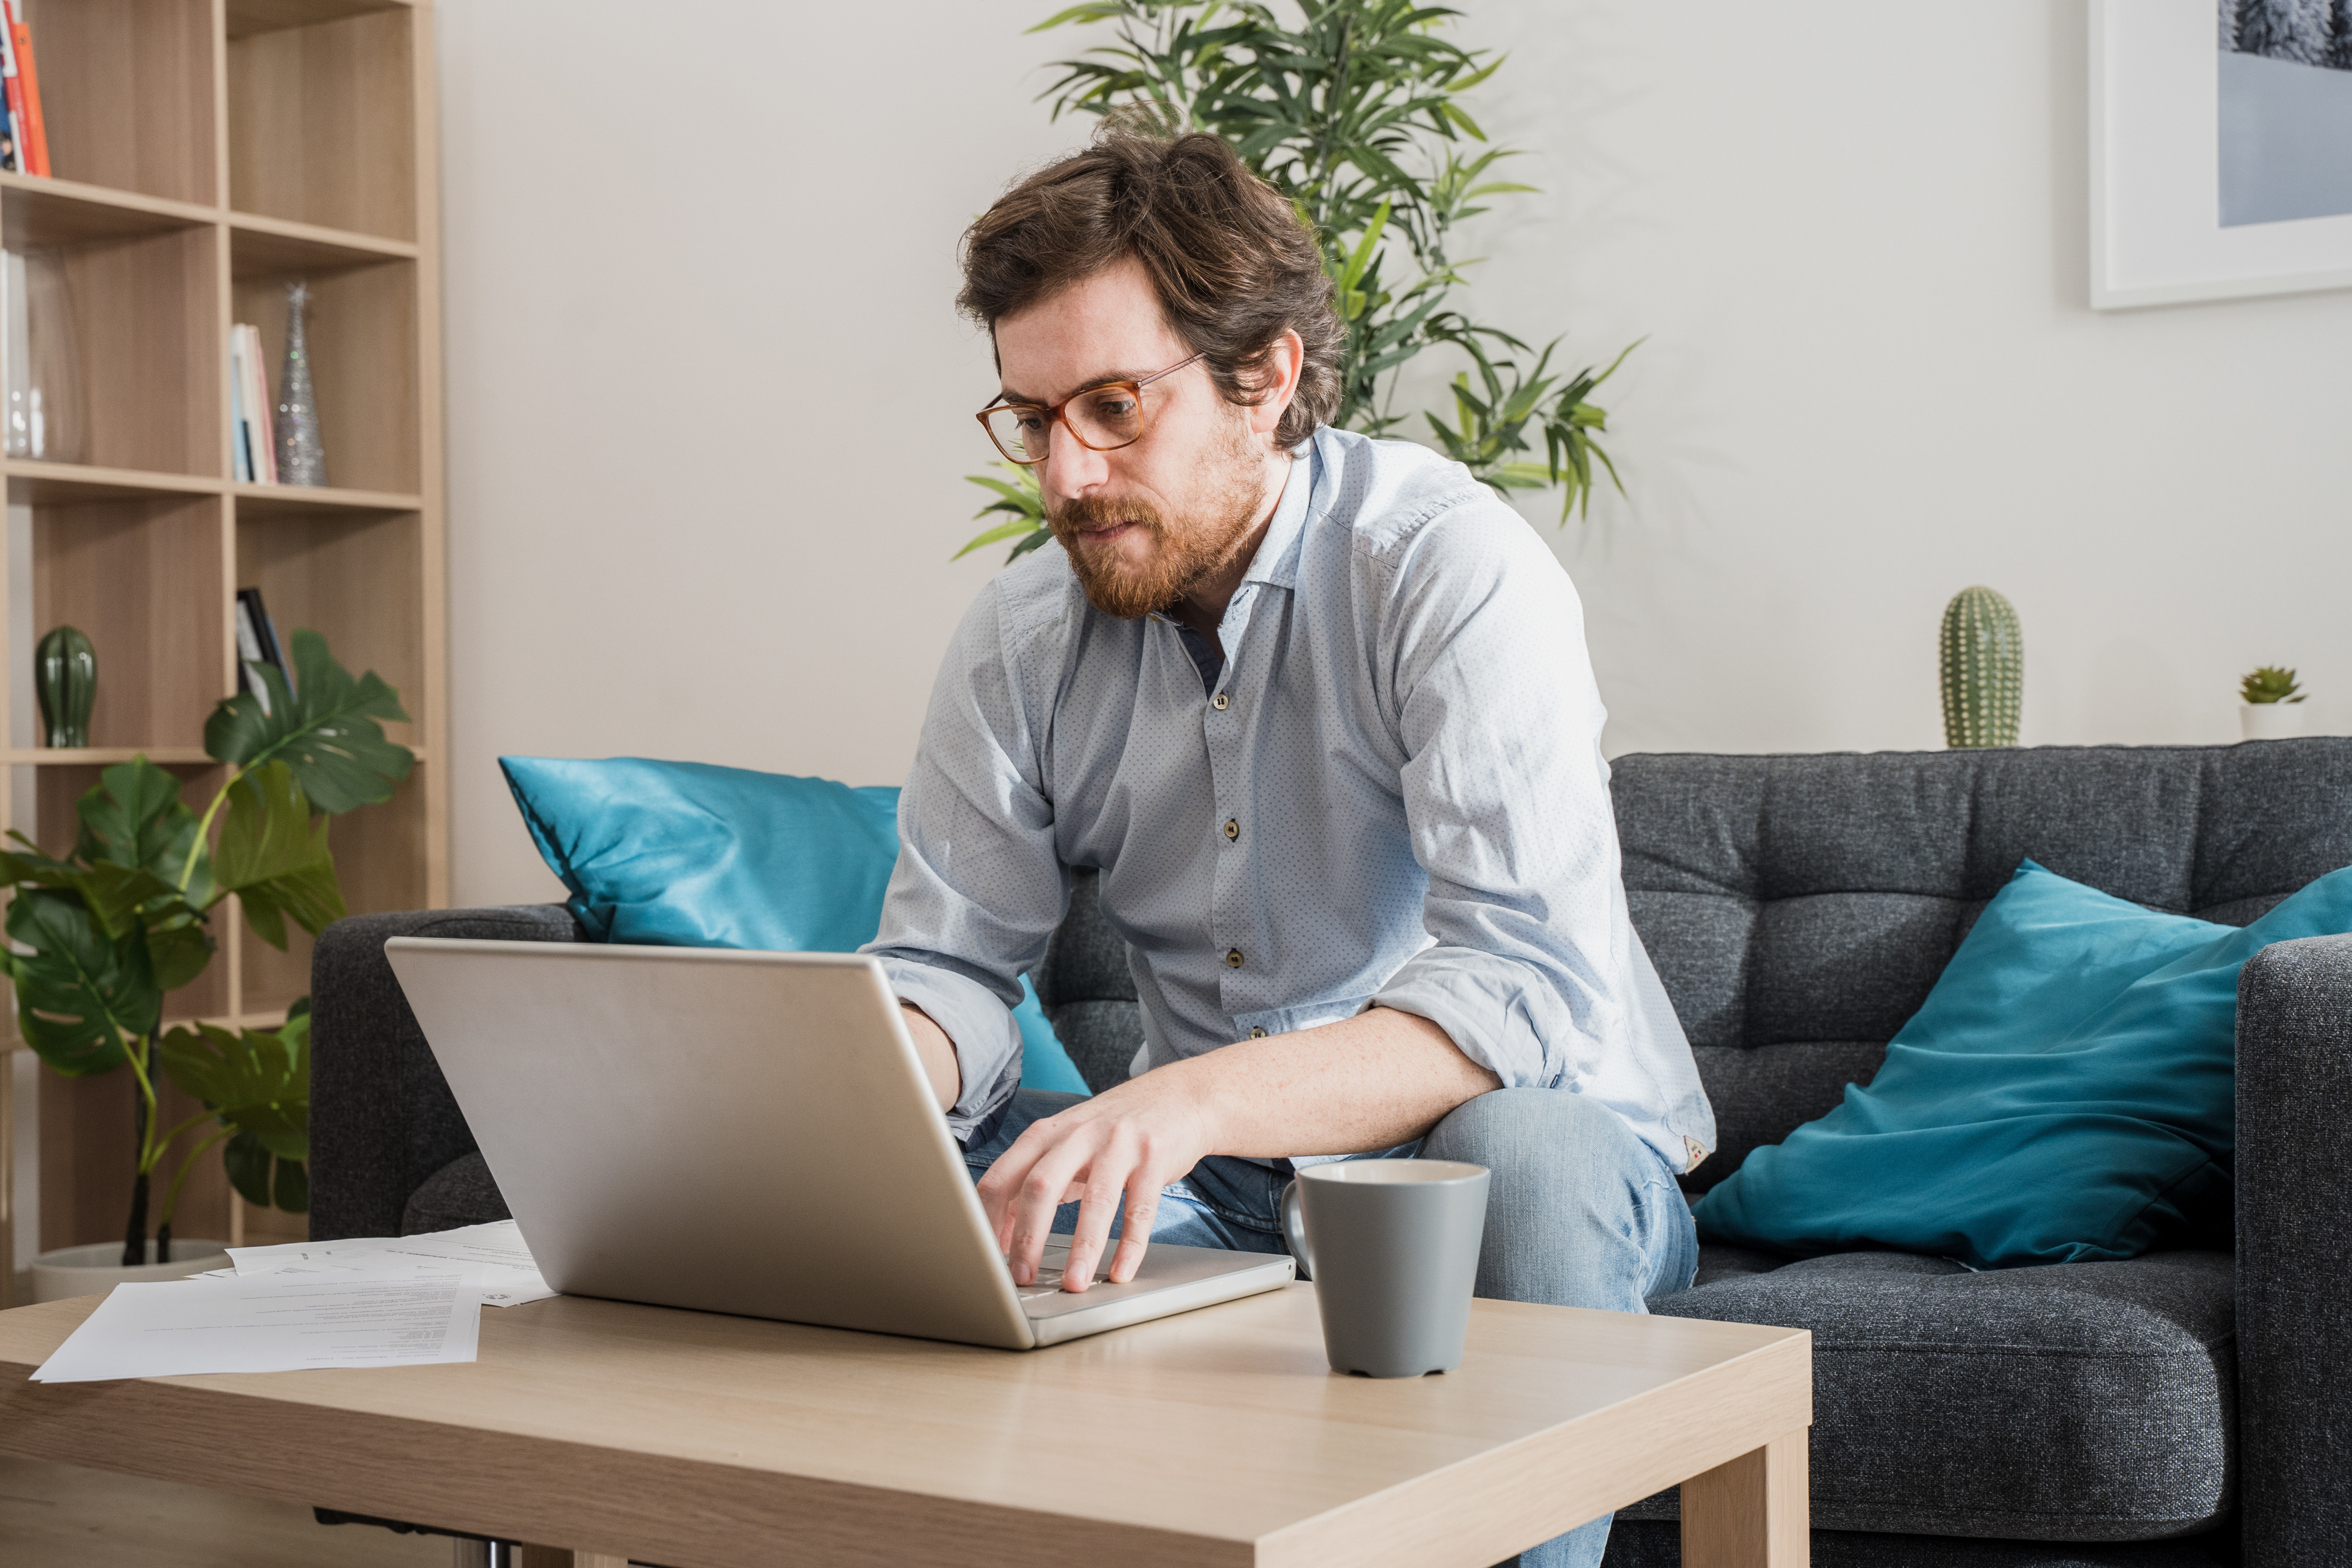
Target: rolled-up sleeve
x=978 y=887
x=1506 y=798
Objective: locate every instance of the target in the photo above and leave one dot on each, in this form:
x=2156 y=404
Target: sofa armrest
x=381 y=1116
x=2295 y=1212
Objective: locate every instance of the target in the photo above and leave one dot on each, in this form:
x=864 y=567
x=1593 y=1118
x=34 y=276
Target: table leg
x=1750 y=1513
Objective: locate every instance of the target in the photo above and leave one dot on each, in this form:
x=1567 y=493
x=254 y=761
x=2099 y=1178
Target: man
x=1318 y=708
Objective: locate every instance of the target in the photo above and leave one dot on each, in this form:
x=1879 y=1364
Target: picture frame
x=2159 y=234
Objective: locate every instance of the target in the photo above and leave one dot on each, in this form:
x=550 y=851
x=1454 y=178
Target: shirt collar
x=1277 y=561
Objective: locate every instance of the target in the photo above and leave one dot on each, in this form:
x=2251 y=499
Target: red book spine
x=34 y=141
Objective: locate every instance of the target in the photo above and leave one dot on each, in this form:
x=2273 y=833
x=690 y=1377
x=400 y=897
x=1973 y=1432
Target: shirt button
x=1220 y=702
x=1233 y=958
x=1257 y=1034
x=1232 y=828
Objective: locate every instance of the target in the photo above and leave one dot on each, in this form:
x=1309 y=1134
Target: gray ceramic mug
x=1392 y=1247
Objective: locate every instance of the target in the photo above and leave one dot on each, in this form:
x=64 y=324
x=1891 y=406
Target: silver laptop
x=748 y=1132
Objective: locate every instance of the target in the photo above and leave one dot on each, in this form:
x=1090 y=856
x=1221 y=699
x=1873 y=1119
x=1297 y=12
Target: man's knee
x=1512 y=1128
x=1579 y=1212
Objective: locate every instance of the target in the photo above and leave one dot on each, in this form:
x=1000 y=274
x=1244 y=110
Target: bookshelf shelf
x=207 y=156
x=43 y=212
x=247 y=17
x=34 y=483
x=265 y=247
x=105 y=756
x=260 y=501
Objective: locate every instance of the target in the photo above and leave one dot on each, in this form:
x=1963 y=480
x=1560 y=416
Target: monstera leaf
x=80 y=996
x=134 y=819
x=263 y=1179
x=122 y=900
x=177 y=951
x=327 y=730
x=274 y=856
x=27 y=863
x=258 y=1082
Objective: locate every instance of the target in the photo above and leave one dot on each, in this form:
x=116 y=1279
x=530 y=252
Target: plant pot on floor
x=2270 y=720
x=94 y=1270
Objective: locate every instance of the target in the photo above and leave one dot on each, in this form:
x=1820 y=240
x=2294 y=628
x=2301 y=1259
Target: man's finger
x=1009 y=1166
x=1135 y=1231
x=1107 y=1175
x=1044 y=1189
x=999 y=1185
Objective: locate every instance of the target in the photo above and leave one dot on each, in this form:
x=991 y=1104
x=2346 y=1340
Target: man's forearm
x=939 y=1056
x=1375 y=1080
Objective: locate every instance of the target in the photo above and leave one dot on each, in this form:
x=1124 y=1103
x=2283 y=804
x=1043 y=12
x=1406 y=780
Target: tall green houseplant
x=98 y=937
x=1357 y=115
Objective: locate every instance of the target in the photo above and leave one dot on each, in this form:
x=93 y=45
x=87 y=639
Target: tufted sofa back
x=1799 y=908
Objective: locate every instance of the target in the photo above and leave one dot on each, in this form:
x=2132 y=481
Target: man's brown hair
x=1229 y=256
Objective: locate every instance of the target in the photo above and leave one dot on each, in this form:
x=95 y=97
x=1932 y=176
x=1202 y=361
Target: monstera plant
x=99 y=938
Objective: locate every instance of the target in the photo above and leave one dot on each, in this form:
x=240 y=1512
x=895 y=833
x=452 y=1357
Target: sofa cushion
x=459 y=1194
x=693 y=855
x=1794 y=902
x=2070 y=1401
x=2064 y=1096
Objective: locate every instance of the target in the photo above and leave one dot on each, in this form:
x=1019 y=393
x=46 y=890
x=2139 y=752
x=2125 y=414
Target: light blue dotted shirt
x=1395 y=796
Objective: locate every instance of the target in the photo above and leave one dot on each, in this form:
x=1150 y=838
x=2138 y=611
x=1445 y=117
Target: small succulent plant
x=2269 y=684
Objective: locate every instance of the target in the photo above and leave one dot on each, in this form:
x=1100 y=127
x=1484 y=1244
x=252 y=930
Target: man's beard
x=1184 y=552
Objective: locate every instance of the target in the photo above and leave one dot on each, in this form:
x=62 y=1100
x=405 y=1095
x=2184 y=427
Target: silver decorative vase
x=302 y=454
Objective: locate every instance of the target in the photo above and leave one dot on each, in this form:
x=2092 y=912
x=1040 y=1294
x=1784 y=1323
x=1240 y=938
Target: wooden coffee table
x=1216 y=1437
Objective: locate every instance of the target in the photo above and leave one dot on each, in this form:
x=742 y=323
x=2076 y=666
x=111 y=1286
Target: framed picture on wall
x=2221 y=149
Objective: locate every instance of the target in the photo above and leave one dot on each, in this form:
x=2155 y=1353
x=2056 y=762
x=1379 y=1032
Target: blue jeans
x=1580 y=1213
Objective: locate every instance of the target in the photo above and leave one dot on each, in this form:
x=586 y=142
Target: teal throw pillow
x=690 y=855
x=2066 y=1094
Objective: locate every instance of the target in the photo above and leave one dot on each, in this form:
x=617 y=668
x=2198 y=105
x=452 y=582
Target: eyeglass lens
x=1105 y=418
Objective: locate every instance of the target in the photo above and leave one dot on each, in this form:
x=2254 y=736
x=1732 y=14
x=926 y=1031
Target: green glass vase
x=65 y=678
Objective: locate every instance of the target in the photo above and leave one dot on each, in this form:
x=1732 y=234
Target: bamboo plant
x=1356 y=114
x=99 y=936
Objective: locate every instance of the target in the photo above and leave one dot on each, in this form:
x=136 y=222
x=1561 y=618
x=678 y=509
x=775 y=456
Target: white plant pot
x=2271 y=721
x=92 y=1270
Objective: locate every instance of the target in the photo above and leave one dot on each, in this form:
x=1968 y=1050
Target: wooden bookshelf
x=207 y=152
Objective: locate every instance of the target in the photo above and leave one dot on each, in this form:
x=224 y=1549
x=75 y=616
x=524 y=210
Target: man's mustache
x=1088 y=515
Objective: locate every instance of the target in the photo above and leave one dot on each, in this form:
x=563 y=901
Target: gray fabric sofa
x=2187 y=1407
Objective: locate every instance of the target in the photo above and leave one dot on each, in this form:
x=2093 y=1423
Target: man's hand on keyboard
x=1108 y=1154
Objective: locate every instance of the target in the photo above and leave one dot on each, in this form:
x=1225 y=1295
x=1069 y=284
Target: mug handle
x=1294 y=1228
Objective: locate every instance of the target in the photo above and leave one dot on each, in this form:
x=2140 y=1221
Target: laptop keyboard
x=1050 y=1265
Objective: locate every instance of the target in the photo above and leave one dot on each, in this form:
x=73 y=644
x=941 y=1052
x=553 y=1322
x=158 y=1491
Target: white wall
x=708 y=403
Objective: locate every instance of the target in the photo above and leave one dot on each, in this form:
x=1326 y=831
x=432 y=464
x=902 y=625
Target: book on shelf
x=12 y=104
x=253 y=445
x=240 y=443
x=257 y=643
x=28 y=133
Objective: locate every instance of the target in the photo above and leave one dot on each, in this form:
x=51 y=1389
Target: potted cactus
x=1981 y=653
x=2268 y=706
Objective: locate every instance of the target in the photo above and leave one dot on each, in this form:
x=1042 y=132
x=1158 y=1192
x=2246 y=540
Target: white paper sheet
x=509 y=1277
x=274 y=1322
